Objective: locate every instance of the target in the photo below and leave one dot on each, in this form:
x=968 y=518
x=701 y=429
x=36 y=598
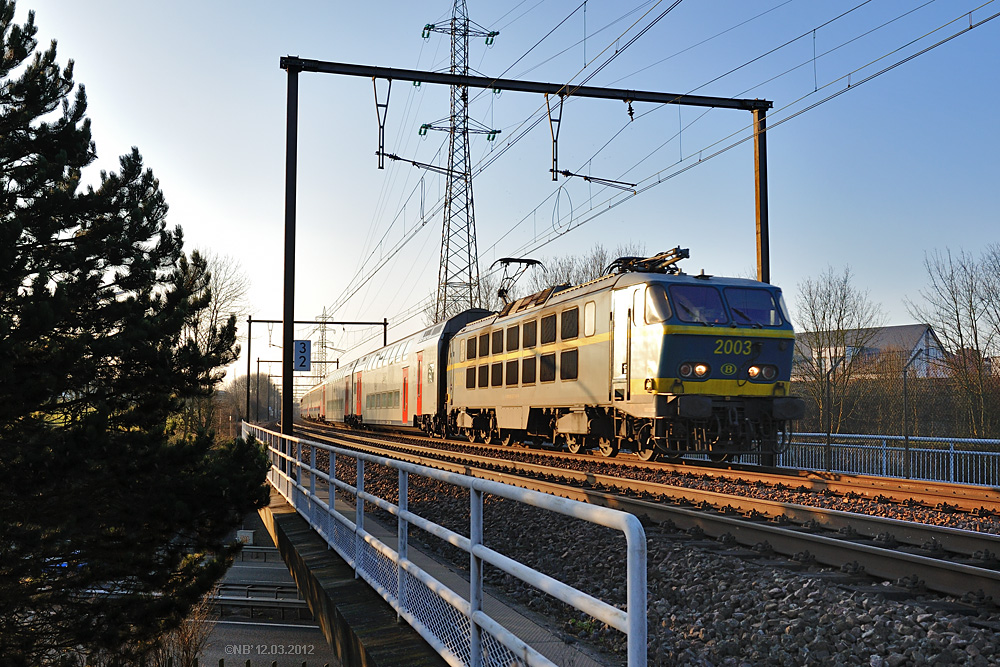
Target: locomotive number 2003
x=730 y=346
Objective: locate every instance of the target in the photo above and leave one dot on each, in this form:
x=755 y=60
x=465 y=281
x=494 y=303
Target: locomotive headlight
x=686 y=370
x=770 y=372
x=701 y=370
x=753 y=372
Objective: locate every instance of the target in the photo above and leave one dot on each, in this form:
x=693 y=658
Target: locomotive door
x=621 y=344
x=406 y=394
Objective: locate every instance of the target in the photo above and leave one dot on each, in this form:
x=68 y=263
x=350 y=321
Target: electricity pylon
x=458 y=272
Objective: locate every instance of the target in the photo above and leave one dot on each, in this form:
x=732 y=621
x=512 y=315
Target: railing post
x=402 y=540
x=635 y=604
x=951 y=461
x=475 y=575
x=885 y=456
x=359 y=514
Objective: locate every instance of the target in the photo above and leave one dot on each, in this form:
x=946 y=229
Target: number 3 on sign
x=302 y=359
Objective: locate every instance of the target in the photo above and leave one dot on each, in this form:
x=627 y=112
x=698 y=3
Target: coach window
x=657 y=306
x=570 y=324
x=484 y=345
x=530 y=334
x=513 y=341
x=497 y=341
x=512 y=372
x=470 y=348
x=568 y=364
x=549 y=329
x=470 y=377
x=528 y=370
x=547 y=372
x=484 y=376
x=589 y=318
x=496 y=374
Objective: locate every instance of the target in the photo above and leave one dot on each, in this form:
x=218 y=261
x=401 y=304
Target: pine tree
x=110 y=529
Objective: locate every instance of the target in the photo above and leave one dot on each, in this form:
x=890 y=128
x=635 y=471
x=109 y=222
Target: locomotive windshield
x=755 y=307
x=700 y=304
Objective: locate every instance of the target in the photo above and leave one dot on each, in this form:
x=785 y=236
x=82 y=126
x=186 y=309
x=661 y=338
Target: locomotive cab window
x=570 y=324
x=549 y=329
x=530 y=334
x=657 y=305
x=753 y=307
x=699 y=304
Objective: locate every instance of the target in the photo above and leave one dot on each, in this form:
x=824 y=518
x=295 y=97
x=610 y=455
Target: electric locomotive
x=645 y=358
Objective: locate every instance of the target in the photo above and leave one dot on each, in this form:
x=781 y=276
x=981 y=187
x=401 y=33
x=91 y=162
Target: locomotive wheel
x=484 y=436
x=470 y=434
x=506 y=437
x=607 y=446
x=718 y=457
x=574 y=443
x=647 y=454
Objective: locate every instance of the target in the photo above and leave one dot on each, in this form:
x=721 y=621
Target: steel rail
x=939 y=575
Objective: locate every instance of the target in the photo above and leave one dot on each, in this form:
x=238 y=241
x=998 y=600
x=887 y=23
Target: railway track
x=946 y=560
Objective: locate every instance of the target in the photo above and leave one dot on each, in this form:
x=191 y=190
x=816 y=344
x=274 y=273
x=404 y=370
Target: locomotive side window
x=699 y=304
x=753 y=307
x=512 y=372
x=484 y=376
x=470 y=347
x=470 y=377
x=657 y=306
x=513 y=337
x=530 y=334
x=484 y=345
x=589 y=318
x=568 y=364
x=549 y=329
x=570 y=324
x=498 y=341
x=547 y=372
x=638 y=307
x=528 y=370
x=496 y=374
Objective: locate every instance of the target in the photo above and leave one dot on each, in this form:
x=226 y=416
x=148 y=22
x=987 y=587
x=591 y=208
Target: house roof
x=903 y=337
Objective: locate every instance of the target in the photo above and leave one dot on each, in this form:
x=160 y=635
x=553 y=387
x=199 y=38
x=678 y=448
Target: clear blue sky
x=874 y=178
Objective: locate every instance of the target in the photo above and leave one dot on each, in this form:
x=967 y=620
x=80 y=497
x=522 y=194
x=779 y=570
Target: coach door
x=357 y=393
x=420 y=383
x=621 y=344
x=347 y=395
x=406 y=394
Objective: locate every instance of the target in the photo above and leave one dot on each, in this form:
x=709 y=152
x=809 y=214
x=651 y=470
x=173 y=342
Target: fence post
x=951 y=461
x=359 y=514
x=885 y=457
x=475 y=575
x=402 y=534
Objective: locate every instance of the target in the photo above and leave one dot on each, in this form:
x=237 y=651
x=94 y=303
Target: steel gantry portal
x=293 y=65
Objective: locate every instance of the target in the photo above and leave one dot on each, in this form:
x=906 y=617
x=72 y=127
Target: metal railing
x=958 y=460
x=456 y=627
